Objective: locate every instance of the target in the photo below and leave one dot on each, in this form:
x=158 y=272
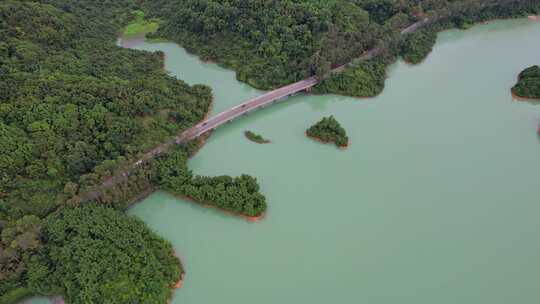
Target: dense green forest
x=360 y=79
x=328 y=130
x=88 y=254
x=90 y=260
x=528 y=85
x=268 y=43
x=417 y=46
x=74 y=110
x=257 y=138
x=272 y=43
x=74 y=106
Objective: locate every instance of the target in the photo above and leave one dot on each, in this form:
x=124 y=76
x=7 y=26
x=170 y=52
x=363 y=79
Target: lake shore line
x=180 y=283
x=526 y=99
x=343 y=148
x=252 y=219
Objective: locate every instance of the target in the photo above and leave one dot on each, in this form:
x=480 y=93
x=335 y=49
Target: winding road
x=229 y=115
x=244 y=108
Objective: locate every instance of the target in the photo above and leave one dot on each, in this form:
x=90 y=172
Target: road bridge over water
x=244 y=108
x=271 y=97
x=229 y=115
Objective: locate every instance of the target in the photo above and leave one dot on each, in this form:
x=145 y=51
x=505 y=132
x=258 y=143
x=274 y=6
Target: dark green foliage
x=528 y=85
x=417 y=46
x=19 y=241
x=468 y=13
x=272 y=43
x=172 y=170
x=361 y=79
x=74 y=108
x=268 y=43
x=328 y=130
x=256 y=138
x=239 y=195
x=15 y=295
x=96 y=254
x=530 y=72
x=381 y=10
x=139 y=185
x=74 y=105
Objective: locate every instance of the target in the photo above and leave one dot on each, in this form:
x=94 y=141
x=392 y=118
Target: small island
x=528 y=85
x=256 y=138
x=328 y=130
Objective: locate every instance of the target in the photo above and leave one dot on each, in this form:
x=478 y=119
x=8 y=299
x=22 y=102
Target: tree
x=328 y=130
x=88 y=259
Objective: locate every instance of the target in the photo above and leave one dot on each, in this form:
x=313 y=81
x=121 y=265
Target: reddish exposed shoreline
x=180 y=281
x=519 y=98
x=253 y=219
x=530 y=17
x=329 y=142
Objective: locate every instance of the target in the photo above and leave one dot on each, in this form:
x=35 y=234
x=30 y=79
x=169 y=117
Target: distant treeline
x=359 y=80
x=272 y=43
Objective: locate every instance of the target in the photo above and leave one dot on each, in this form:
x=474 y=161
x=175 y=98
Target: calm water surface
x=436 y=200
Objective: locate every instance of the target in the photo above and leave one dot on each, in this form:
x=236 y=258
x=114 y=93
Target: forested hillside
x=272 y=43
x=71 y=100
x=72 y=107
x=75 y=109
x=87 y=259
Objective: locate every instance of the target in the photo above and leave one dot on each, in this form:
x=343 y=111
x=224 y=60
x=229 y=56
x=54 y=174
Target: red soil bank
x=329 y=142
x=253 y=219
